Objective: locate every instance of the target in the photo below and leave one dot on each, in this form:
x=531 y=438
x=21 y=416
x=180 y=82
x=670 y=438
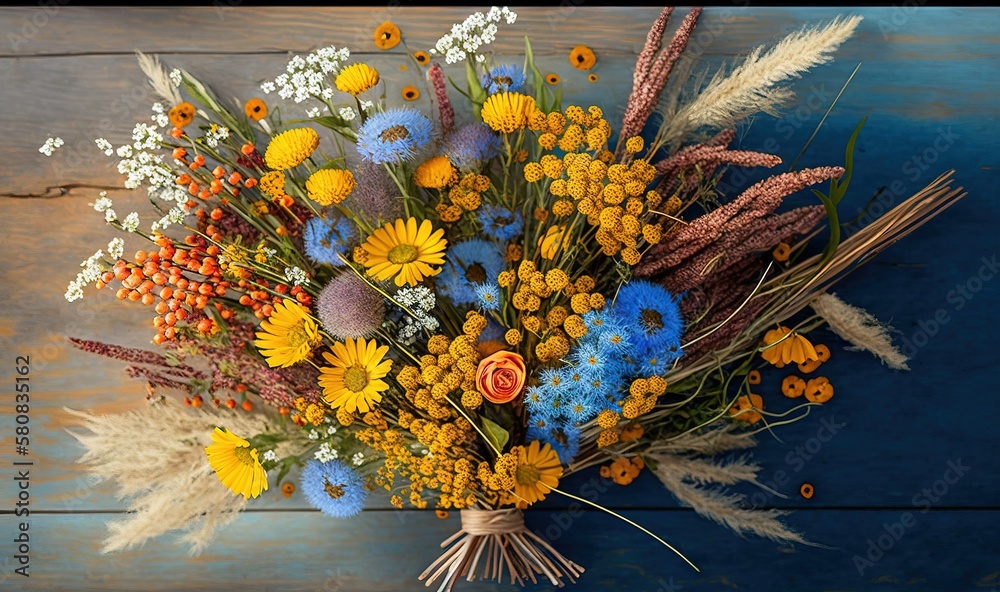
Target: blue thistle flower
x=467 y=265
x=334 y=488
x=500 y=223
x=469 y=146
x=655 y=316
x=503 y=78
x=394 y=135
x=325 y=240
x=561 y=434
x=488 y=295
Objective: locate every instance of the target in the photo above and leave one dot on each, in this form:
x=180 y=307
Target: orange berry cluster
x=198 y=401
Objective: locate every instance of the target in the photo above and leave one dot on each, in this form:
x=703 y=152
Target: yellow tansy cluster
x=466 y=196
x=613 y=197
x=640 y=400
x=554 y=324
x=444 y=470
x=311 y=412
x=495 y=482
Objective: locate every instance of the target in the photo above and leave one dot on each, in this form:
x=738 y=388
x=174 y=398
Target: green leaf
x=477 y=94
x=845 y=180
x=497 y=435
x=538 y=82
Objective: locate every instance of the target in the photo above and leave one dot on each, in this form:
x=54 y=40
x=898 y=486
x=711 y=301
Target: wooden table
x=929 y=83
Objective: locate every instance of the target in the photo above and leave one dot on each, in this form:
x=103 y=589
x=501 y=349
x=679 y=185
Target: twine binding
x=499 y=540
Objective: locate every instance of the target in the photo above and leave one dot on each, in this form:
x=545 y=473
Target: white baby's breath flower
x=131 y=222
x=110 y=216
x=102 y=203
x=104 y=146
x=367 y=106
x=270 y=456
x=313 y=112
x=313 y=435
x=348 y=113
x=50 y=146
x=296 y=276
x=116 y=247
x=175 y=77
x=357 y=459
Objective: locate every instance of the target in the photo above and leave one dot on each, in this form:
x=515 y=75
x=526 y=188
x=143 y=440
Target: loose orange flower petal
x=387 y=35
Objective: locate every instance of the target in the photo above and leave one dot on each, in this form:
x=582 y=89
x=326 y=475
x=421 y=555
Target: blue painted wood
x=929 y=83
x=385 y=551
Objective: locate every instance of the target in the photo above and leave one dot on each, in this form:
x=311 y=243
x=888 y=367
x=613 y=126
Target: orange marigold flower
x=422 y=58
x=746 y=408
x=582 y=57
x=753 y=377
x=807 y=490
x=410 y=93
x=552 y=78
x=387 y=35
x=256 y=110
x=819 y=390
x=181 y=114
x=781 y=252
x=784 y=346
x=793 y=387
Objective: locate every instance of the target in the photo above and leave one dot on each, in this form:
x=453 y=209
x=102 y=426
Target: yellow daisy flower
x=538 y=471
x=289 y=149
x=436 y=172
x=288 y=335
x=354 y=381
x=356 y=79
x=236 y=464
x=508 y=111
x=785 y=348
x=406 y=251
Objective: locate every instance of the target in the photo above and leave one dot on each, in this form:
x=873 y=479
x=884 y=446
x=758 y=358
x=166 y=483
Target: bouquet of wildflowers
x=463 y=303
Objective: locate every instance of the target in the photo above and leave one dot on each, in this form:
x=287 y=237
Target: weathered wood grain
x=929 y=83
x=385 y=551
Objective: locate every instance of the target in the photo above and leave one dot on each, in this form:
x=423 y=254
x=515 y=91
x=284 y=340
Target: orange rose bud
x=500 y=377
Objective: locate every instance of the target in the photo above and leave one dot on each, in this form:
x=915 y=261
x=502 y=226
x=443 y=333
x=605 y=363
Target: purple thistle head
x=349 y=307
x=376 y=195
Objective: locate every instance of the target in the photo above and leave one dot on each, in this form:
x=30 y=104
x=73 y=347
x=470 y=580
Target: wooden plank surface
x=929 y=84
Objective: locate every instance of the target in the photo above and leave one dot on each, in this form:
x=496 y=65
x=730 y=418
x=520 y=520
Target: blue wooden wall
x=885 y=473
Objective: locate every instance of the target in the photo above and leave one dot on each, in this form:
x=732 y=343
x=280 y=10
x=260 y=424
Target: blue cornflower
x=488 y=295
x=325 y=240
x=655 y=316
x=471 y=145
x=605 y=329
x=581 y=405
x=541 y=402
x=467 y=265
x=654 y=362
x=590 y=359
x=503 y=78
x=334 y=488
x=500 y=223
x=551 y=377
x=561 y=434
x=394 y=135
